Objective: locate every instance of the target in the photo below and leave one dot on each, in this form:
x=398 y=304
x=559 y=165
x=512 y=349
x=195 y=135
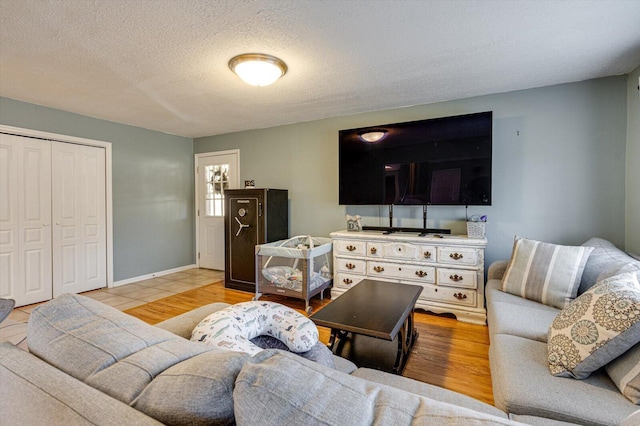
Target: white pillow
x=232 y=328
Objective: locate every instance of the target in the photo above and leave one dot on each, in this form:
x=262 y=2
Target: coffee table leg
x=336 y=337
x=407 y=337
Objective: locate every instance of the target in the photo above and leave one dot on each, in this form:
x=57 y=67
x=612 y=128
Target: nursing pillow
x=233 y=327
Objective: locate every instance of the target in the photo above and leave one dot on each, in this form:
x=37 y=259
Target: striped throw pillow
x=545 y=273
x=625 y=373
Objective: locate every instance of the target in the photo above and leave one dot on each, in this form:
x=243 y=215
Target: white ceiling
x=162 y=64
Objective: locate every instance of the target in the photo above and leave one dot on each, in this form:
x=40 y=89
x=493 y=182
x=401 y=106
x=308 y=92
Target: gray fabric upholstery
x=510 y=314
x=497 y=269
x=319 y=353
x=426 y=390
x=625 y=373
x=606 y=260
x=538 y=421
x=182 y=325
x=522 y=385
x=33 y=392
x=313 y=394
x=154 y=370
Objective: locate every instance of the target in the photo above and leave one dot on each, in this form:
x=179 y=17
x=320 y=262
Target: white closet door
x=79 y=215
x=25 y=219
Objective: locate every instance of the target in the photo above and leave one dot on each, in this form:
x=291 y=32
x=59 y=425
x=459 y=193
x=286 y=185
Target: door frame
x=196 y=161
x=18 y=131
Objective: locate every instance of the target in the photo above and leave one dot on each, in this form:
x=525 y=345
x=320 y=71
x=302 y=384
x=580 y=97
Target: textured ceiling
x=162 y=64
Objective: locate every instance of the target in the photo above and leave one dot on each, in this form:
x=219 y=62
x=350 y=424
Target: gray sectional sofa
x=92 y=364
x=522 y=384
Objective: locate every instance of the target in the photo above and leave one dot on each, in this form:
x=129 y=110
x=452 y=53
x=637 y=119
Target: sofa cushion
x=596 y=328
x=606 y=260
x=625 y=373
x=522 y=385
x=543 y=272
x=183 y=324
x=163 y=375
x=278 y=388
x=510 y=314
x=426 y=390
x=33 y=392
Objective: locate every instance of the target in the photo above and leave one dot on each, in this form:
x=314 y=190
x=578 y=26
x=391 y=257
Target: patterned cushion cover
x=545 y=273
x=233 y=327
x=625 y=373
x=596 y=328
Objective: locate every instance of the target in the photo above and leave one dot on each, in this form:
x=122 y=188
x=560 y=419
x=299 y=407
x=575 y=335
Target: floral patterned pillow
x=596 y=328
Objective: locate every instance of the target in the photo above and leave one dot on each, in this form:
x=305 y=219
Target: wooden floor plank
x=448 y=353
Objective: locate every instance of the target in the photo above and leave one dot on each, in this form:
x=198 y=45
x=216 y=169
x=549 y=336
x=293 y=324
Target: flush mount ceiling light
x=258 y=69
x=374 y=136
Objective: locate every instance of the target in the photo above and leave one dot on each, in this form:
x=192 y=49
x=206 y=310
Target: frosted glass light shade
x=373 y=136
x=258 y=69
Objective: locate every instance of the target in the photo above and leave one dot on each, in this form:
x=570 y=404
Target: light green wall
x=633 y=164
x=153 y=227
x=558 y=170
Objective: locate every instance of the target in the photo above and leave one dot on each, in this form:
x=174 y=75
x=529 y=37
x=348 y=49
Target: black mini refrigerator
x=251 y=217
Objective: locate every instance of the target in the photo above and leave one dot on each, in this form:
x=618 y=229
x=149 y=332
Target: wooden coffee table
x=372 y=324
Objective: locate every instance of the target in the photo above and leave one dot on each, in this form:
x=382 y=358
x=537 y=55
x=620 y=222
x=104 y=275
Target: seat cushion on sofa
x=523 y=385
x=544 y=272
x=510 y=314
x=33 y=392
x=278 y=388
x=182 y=325
x=426 y=390
x=538 y=421
x=606 y=260
x=164 y=375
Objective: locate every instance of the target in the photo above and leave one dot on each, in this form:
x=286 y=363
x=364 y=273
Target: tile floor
x=14 y=328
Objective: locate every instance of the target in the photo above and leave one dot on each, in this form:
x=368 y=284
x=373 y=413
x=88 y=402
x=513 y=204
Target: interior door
x=215 y=173
x=25 y=219
x=79 y=214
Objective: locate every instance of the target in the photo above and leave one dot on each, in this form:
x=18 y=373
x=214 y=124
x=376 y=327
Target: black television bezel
x=352 y=133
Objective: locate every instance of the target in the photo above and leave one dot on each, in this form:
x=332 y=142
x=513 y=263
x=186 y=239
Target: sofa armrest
x=183 y=325
x=34 y=392
x=497 y=269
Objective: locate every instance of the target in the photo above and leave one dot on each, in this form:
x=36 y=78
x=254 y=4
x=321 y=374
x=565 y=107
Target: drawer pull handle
x=421 y=274
x=460 y=296
x=456 y=256
x=373 y=250
x=351 y=248
x=427 y=255
x=350 y=266
x=347 y=281
x=456 y=277
x=378 y=269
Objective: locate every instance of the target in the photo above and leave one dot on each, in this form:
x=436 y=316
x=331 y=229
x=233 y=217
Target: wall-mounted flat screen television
x=440 y=161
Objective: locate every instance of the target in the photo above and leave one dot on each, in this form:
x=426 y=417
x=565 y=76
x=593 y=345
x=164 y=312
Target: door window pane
x=217 y=182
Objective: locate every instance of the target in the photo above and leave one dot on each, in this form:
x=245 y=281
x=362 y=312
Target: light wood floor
x=448 y=353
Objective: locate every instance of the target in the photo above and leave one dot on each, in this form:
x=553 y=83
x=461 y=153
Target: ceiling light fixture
x=375 y=136
x=258 y=69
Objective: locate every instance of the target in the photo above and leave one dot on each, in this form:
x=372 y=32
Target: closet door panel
x=25 y=219
x=79 y=238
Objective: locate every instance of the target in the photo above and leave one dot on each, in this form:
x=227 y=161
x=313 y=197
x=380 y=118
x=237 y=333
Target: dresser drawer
x=428 y=254
x=450 y=296
x=401 y=271
x=356 y=248
x=457 y=256
x=352 y=266
x=400 y=251
x=457 y=278
x=346 y=281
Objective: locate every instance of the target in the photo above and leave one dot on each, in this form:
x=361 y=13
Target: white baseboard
x=154 y=275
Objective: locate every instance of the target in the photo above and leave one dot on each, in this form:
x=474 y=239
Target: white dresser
x=449 y=269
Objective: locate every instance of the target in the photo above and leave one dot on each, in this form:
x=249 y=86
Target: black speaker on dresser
x=251 y=217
